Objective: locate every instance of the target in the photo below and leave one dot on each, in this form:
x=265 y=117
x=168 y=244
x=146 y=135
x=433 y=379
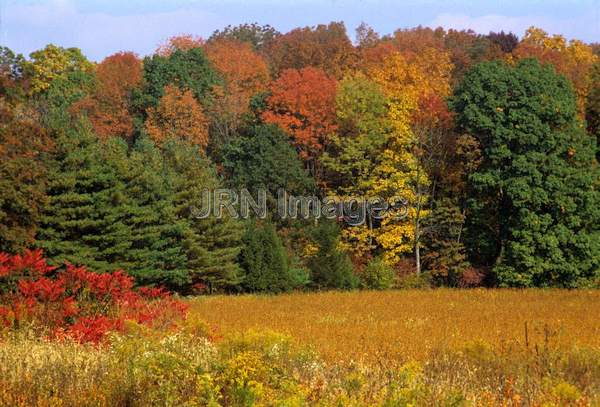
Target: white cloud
x=585 y=27
x=29 y=27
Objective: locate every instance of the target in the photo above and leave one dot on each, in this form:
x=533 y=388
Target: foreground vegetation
x=465 y=356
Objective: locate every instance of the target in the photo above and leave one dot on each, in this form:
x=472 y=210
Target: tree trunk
x=418 y=257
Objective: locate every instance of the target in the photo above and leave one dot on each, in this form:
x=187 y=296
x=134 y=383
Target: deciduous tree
x=52 y=63
x=355 y=151
x=573 y=59
x=260 y=37
x=183 y=42
x=109 y=106
x=263 y=158
x=302 y=102
x=244 y=73
x=23 y=144
x=179 y=116
x=326 y=47
x=406 y=84
x=184 y=69
x=534 y=201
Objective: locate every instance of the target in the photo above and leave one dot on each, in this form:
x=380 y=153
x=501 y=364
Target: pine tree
x=108 y=210
x=264 y=260
x=84 y=221
x=330 y=267
x=156 y=232
x=212 y=245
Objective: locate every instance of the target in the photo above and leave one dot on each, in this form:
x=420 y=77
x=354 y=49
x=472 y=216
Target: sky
x=101 y=28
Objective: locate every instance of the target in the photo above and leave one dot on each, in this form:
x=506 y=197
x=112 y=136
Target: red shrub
x=471 y=277
x=77 y=303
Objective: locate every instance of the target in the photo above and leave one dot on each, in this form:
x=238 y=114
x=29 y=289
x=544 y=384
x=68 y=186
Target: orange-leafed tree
x=302 y=102
x=375 y=55
x=244 y=73
x=183 y=42
x=418 y=38
x=178 y=116
x=109 y=106
x=325 y=46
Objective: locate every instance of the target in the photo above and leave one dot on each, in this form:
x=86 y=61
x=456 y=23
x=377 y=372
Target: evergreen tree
x=534 y=195
x=156 y=232
x=264 y=260
x=84 y=220
x=212 y=245
x=109 y=211
x=330 y=267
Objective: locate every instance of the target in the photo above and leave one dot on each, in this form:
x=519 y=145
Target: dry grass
x=403 y=348
x=404 y=325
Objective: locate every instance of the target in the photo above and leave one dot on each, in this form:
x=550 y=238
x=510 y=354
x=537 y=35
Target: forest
x=491 y=140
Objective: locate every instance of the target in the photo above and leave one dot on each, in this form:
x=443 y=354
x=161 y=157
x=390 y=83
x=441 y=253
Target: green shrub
x=377 y=275
x=415 y=281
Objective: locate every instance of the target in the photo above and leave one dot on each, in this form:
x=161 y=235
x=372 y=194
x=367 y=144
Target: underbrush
x=72 y=302
x=142 y=367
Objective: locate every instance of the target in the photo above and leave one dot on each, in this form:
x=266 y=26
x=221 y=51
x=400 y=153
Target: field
x=411 y=324
x=390 y=348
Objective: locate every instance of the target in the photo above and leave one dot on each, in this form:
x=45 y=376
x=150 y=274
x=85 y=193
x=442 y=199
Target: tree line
x=491 y=140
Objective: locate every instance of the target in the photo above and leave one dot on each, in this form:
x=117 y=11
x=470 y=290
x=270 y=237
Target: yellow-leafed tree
x=397 y=172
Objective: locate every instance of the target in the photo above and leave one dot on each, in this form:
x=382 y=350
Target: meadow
x=410 y=324
x=370 y=348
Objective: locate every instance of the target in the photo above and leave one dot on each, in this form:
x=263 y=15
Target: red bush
x=471 y=277
x=75 y=302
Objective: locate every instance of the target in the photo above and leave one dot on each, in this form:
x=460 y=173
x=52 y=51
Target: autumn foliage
x=309 y=111
x=244 y=72
x=574 y=59
x=302 y=102
x=179 y=42
x=77 y=303
x=108 y=108
x=22 y=175
x=325 y=46
x=179 y=116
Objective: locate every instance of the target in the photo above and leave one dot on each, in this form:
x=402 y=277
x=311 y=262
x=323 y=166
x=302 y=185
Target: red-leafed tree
x=302 y=102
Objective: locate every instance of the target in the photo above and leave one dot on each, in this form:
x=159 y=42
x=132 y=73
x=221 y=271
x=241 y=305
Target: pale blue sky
x=101 y=28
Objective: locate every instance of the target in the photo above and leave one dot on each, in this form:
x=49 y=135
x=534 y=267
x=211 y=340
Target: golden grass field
x=459 y=348
x=410 y=324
